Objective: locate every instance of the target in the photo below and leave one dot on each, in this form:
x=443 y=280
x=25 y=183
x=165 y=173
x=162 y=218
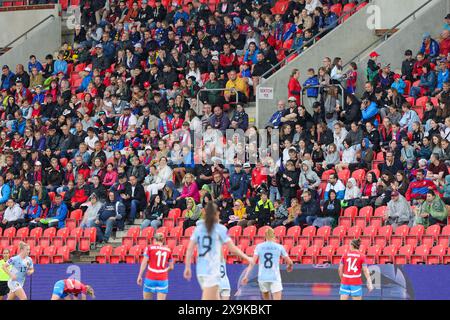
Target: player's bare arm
x=141 y=270
x=369 y=279
x=187 y=270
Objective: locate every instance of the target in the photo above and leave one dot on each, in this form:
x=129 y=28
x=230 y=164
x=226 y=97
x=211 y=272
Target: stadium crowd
x=107 y=124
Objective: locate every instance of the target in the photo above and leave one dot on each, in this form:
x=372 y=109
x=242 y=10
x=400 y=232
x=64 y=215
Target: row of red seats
x=44 y=255
x=76 y=239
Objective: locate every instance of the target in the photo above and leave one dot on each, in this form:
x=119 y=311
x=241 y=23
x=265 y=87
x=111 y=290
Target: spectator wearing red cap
x=294 y=87
x=372 y=67
x=398 y=84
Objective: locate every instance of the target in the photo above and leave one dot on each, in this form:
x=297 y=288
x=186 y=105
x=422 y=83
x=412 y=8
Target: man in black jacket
x=134 y=199
x=53 y=139
x=67 y=144
x=137 y=170
x=309 y=208
x=408 y=66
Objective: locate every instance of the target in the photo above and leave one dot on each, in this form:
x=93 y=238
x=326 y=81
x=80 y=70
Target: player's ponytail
x=356 y=243
x=210 y=216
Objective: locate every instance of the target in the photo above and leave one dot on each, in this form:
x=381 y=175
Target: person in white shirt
x=13 y=215
x=311 y=5
x=91 y=139
x=163 y=174
x=127 y=121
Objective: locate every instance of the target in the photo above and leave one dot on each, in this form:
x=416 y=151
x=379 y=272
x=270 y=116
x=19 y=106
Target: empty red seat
x=364 y=216
x=338 y=254
x=145 y=237
x=310 y=255
x=436 y=255
x=337 y=236
x=352 y=233
x=326 y=174
x=296 y=253
x=378 y=216
x=400 y=234
x=372 y=254
x=118 y=255
x=307 y=234
x=344 y=175
x=404 y=254
x=359 y=176
x=61 y=236
x=235 y=232
x=104 y=254
x=130 y=239
x=292 y=235
x=260 y=234
x=384 y=235
x=322 y=235
x=431 y=235
x=444 y=237
x=9 y=233
x=326 y=254
x=249 y=232
x=35 y=253
x=280 y=232
x=415 y=235
x=62 y=255
x=420 y=254
x=47 y=256
x=336 y=9
x=133 y=254
x=349 y=214
x=163 y=230
x=178 y=253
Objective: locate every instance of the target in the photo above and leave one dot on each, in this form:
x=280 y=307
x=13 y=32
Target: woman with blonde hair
x=17 y=268
x=190 y=190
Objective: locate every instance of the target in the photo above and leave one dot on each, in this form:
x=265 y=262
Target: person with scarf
x=398 y=211
x=164 y=124
x=367 y=154
x=155 y=212
x=192 y=213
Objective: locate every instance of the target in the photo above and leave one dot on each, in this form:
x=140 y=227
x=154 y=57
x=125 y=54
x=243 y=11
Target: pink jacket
x=191 y=191
x=110 y=178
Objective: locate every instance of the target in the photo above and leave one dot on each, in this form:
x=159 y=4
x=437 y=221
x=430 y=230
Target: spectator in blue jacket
x=298 y=40
x=427 y=82
x=369 y=110
x=18 y=125
x=311 y=92
x=7 y=78
x=430 y=47
x=275 y=119
x=398 y=84
x=180 y=14
x=442 y=75
x=60 y=64
x=33 y=63
x=56 y=216
x=86 y=74
x=251 y=53
x=238 y=182
x=5 y=191
x=330 y=19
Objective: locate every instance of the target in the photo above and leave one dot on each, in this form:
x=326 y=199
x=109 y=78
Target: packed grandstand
x=98 y=141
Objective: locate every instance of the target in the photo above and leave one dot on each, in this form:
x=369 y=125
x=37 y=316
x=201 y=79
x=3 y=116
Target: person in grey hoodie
x=398 y=211
x=308 y=178
x=331 y=156
x=13 y=215
x=90 y=215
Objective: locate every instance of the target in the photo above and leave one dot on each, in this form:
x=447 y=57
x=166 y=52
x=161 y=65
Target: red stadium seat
x=21 y=235
x=378 y=216
x=118 y=255
x=337 y=236
x=337 y=9
x=130 y=239
x=87 y=239
x=280 y=7
x=47 y=256
x=104 y=254
x=249 y=233
x=339 y=253
x=399 y=237
x=359 y=175
x=163 y=230
x=235 y=232
x=444 y=237
x=415 y=235
x=133 y=255
x=361 y=5
x=404 y=254
x=322 y=235
x=5 y=242
x=368 y=235
x=326 y=174
x=307 y=234
x=62 y=255
x=352 y=233
x=364 y=216
x=310 y=255
x=47 y=237
x=145 y=237
x=35 y=253
x=373 y=253
x=388 y=254
x=411 y=100
x=61 y=236
x=384 y=236
x=292 y=235
x=431 y=235
x=296 y=253
x=178 y=254
x=9 y=233
x=326 y=254
x=420 y=254
x=348 y=217
x=280 y=232
x=344 y=175
x=250 y=251
x=349 y=8
x=436 y=255
x=421 y=102
x=35 y=235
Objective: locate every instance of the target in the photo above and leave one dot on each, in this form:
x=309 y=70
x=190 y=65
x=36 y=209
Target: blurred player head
x=24 y=249
x=158 y=238
x=269 y=234
x=90 y=291
x=356 y=243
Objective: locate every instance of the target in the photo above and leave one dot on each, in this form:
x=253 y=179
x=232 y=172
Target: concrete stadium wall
x=345 y=41
x=43 y=40
x=430 y=19
x=14 y=23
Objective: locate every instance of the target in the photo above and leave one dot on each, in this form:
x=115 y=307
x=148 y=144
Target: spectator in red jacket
x=444 y=45
x=228 y=60
x=81 y=193
x=418 y=188
x=18 y=142
x=294 y=87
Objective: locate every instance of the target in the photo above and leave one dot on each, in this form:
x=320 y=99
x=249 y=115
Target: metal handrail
x=326 y=86
x=26 y=32
x=218 y=89
x=385 y=35
x=307 y=43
